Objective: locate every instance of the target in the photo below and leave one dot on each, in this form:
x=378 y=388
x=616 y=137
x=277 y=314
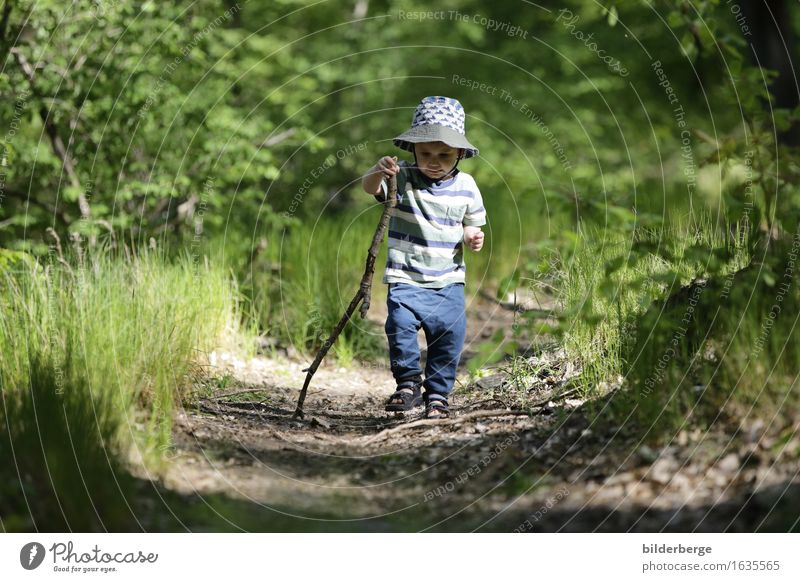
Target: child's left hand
x=473 y=236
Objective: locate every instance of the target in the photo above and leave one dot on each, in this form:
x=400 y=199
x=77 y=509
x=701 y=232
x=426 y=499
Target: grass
x=610 y=280
x=320 y=266
x=680 y=322
x=98 y=351
x=736 y=357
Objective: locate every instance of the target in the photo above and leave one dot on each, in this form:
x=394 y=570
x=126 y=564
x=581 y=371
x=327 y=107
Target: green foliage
x=128 y=333
x=721 y=349
x=319 y=274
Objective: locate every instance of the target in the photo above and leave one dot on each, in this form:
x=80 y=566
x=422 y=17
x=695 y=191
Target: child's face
x=435 y=159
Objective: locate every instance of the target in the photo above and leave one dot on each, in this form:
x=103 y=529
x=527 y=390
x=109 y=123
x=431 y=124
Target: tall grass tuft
x=698 y=327
x=319 y=267
x=610 y=281
x=724 y=349
x=98 y=349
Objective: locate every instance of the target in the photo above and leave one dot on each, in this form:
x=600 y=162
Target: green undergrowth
x=697 y=326
x=99 y=349
x=723 y=349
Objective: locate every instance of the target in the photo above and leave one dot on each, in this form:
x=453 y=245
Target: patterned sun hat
x=437 y=118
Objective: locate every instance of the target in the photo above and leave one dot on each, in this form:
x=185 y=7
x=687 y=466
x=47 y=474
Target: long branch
x=363 y=294
x=55 y=139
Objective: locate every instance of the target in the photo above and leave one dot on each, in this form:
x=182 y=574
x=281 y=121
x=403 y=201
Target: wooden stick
x=235 y=393
x=363 y=294
x=435 y=422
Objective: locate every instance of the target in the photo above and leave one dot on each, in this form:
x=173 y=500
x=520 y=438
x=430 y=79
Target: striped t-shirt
x=426 y=228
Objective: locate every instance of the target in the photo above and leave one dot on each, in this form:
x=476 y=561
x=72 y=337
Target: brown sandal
x=436 y=406
x=407 y=396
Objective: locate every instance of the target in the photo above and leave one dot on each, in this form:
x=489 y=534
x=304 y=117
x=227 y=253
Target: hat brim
x=434 y=132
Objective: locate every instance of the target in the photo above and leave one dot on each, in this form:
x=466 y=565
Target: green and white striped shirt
x=426 y=228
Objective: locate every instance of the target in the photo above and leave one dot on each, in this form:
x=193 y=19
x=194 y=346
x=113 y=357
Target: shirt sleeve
x=476 y=213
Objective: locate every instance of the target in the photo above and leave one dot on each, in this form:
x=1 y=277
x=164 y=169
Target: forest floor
x=511 y=457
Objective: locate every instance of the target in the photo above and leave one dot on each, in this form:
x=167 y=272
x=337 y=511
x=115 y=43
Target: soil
x=516 y=454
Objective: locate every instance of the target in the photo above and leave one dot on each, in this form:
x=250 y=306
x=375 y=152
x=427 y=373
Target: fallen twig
x=539 y=311
x=434 y=422
x=487 y=401
x=235 y=393
x=569 y=392
x=469 y=416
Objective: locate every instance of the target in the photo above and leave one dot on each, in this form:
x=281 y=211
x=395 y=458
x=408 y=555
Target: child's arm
x=473 y=236
x=384 y=168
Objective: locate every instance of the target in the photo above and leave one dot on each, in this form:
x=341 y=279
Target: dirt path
x=350 y=466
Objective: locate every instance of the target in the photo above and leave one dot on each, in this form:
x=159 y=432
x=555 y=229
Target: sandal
x=407 y=396
x=436 y=406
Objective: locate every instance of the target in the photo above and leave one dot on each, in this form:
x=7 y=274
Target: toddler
x=439 y=210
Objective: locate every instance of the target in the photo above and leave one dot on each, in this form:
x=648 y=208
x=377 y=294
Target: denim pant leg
x=401 y=327
x=445 y=324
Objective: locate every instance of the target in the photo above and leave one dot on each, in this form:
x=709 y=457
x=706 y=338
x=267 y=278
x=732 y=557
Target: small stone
x=729 y=464
x=662 y=471
x=647 y=454
x=320 y=422
x=680 y=482
x=620 y=478
x=718 y=478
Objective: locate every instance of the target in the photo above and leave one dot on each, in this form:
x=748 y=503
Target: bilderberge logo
x=31 y=555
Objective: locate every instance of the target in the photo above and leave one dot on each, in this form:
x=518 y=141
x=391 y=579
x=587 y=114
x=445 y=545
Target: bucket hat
x=437 y=118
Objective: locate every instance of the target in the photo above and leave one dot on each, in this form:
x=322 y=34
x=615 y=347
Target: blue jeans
x=441 y=314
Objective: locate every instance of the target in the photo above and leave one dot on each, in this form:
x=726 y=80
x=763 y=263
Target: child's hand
x=388 y=165
x=473 y=236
